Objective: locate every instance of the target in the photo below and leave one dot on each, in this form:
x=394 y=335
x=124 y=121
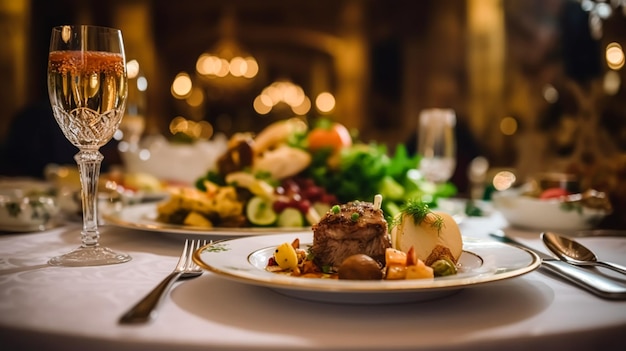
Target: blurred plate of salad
x=312 y=166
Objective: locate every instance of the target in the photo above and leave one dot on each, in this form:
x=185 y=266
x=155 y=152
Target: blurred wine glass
x=436 y=144
x=134 y=123
x=87 y=87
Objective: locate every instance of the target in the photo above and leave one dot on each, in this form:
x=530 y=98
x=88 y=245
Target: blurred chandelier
x=227 y=65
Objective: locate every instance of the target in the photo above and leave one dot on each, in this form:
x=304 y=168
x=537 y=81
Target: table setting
x=52 y=307
x=300 y=237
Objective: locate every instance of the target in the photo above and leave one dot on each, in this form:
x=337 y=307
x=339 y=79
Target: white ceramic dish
x=174 y=161
x=143 y=217
x=244 y=260
x=551 y=214
x=26 y=206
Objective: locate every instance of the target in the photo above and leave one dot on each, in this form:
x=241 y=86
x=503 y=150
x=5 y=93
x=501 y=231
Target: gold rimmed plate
x=244 y=260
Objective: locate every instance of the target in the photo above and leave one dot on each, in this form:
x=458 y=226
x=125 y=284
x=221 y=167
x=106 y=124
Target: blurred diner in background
x=537 y=86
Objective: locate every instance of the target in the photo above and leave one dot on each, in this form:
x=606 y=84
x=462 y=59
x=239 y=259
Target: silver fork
x=146 y=309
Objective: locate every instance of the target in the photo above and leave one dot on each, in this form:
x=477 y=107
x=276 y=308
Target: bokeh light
x=282 y=92
x=252 y=67
x=193 y=129
x=325 y=102
x=214 y=66
x=503 y=180
x=508 y=125
x=195 y=98
x=142 y=83
x=262 y=107
x=612 y=82
x=303 y=108
x=132 y=69
x=182 y=85
x=614 y=56
x=550 y=93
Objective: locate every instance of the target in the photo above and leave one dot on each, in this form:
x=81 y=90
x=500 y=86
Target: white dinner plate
x=245 y=259
x=143 y=217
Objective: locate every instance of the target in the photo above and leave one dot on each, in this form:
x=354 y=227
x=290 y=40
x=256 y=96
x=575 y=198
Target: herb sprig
x=420 y=212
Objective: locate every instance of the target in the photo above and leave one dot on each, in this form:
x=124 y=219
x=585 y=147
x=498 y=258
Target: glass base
x=89 y=256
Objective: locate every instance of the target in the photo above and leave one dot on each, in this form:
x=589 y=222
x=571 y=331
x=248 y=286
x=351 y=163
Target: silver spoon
x=575 y=253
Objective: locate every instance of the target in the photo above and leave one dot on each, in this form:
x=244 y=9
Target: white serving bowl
x=26 y=210
x=551 y=214
x=175 y=162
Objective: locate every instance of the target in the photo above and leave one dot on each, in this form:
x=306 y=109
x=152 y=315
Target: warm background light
x=181 y=87
x=132 y=69
x=195 y=98
x=285 y=92
x=303 y=108
x=325 y=102
x=214 y=66
x=194 y=130
x=503 y=180
x=550 y=93
x=612 y=82
x=142 y=84
x=508 y=125
x=614 y=56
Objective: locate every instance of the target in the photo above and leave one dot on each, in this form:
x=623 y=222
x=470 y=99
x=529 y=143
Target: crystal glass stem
x=90 y=253
x=89 y=162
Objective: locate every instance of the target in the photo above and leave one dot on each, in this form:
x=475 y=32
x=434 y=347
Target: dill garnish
x=420 y=212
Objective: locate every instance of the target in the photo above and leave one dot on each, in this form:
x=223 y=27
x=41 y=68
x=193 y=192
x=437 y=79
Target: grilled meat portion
x=356 y=228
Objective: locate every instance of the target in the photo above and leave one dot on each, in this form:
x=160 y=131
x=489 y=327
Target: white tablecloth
x=50 y=308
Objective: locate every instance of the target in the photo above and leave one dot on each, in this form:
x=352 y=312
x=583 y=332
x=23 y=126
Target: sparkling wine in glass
x=437 y=144
x=87 y=86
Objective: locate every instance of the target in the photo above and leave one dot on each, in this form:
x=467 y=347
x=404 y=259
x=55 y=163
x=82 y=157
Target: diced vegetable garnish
x=553 y=193
x=285 y=256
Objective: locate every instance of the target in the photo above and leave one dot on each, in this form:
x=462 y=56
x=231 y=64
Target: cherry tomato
x=553 y=193
x=336 y=136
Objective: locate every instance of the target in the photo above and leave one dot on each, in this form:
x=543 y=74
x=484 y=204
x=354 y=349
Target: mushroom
x=360 y=267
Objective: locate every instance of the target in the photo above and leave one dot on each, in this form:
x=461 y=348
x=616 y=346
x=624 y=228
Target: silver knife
x=595 y=283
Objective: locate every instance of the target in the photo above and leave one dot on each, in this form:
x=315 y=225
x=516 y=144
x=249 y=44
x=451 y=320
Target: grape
x=291 y=187
x=280 y=205
x=301 y=193
x=304 y=206
x=313 y=193
x=306 y=183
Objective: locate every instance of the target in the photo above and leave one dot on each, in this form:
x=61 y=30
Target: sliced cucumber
x=290 y=217
x=259 y=211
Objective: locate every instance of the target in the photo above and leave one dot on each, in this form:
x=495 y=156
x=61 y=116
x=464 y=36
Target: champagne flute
x=437 y=144
x=87 y=87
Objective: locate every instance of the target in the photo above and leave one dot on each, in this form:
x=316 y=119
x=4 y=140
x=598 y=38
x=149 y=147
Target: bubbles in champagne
x=88 y=92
